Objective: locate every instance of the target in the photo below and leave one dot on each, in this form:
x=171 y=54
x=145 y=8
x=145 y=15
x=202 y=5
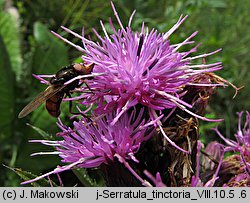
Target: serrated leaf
x=84 y=177
x=25 y=176
x=9 y=29
x=6 y=92
x=44 y=134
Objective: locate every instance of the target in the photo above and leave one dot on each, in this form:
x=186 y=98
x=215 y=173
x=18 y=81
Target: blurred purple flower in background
x=242 y=143
x=232 y=170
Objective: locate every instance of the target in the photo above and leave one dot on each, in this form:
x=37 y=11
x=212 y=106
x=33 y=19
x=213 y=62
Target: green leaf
x=9 y=29
x=6 y=91
x=44 y=134
x=50 y=52
x=25 y=176
x=84 y=177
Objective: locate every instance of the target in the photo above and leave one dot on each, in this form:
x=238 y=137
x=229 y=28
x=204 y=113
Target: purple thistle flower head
x=243 y=134
x=141 y=68
x=92 y=144
x=99 y=143
x=223 y=171
x=233 y=170
x=242 y=143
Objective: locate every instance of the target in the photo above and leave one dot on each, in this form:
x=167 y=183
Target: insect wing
x=40 y=98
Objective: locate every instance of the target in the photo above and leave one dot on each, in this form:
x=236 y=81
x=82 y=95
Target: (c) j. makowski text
x=45 y=194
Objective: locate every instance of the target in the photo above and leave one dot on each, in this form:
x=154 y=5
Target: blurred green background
x=27 y=46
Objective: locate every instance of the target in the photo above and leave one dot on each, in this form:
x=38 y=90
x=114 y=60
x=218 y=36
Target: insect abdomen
x=53 y=104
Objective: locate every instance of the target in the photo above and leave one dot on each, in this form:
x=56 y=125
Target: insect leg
x=74 y=113
x=89 y=88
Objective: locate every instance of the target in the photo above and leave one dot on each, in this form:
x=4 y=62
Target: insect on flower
x=57 y=88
